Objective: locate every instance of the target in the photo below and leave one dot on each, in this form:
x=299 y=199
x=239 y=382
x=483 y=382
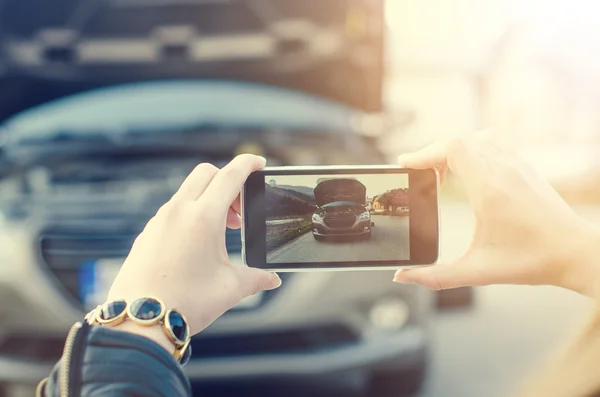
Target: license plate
x=96 y=277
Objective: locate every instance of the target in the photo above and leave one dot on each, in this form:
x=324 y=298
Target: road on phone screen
x=389 y=241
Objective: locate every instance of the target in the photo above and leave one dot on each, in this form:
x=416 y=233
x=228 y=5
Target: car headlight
x=316 y=218
x=365 y=216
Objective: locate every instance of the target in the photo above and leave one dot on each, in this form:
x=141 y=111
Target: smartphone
x=340 y=218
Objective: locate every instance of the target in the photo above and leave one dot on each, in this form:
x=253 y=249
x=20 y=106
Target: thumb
x=253 y=280
x=432 y=156
x=441 y=276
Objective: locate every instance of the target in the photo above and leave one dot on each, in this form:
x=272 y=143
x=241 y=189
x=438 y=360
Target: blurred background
x=106 y=105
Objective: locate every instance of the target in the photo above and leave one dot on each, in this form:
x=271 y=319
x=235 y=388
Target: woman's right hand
x=525 y=233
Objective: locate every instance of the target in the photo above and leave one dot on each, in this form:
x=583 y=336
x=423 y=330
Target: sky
x=375 y=183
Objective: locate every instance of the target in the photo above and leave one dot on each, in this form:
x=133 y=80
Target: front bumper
x=38 y=310
x=359 y=229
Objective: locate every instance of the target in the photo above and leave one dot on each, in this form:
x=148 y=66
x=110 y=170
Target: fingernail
x=276 y=280
x=402 y=277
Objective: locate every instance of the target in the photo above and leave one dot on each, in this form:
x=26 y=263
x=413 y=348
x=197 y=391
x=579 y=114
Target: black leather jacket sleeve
x=99 y=361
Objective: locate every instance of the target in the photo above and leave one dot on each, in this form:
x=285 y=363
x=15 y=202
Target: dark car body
x=341 y=210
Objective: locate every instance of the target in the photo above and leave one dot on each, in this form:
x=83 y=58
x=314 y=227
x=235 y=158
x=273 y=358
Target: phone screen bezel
x=423 y=218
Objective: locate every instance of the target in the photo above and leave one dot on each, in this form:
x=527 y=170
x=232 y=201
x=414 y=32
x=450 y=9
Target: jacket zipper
x=72 y=354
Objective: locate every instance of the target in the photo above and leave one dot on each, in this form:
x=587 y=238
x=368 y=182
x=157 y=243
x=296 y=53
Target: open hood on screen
x=340 y=189
x=50 y=49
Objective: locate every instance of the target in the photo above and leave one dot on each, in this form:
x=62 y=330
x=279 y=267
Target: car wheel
x=406 y=383
x=317 y=237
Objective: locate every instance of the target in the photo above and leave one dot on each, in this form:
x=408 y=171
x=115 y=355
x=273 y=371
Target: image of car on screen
x=341 y=210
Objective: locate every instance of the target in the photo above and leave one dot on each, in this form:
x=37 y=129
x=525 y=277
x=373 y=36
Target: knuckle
x=166 y=209
x=169 y=211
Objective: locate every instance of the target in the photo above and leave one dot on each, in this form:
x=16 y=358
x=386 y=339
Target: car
x=106 y=114
x=341 y=210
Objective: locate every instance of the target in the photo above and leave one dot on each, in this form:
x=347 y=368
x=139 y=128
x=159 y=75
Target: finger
x=440 y=155
x=253 y=280
x=237 y=205
x=234 y=221
x=196 y=182
x=460 y=154
x=227 y=183
x=441 y=276
x=432 y=156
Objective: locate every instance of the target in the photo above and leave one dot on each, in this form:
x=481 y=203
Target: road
x=389 y=241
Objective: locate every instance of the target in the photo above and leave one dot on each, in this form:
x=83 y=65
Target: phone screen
x=339 y=218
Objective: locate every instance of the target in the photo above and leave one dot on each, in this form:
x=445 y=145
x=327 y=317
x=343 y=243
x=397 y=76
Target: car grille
x=64 y=251
x=205 y=346
x=337 y=220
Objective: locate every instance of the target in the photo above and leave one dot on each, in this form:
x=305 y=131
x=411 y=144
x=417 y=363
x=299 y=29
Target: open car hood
x=51 y=49
x=340 y=189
